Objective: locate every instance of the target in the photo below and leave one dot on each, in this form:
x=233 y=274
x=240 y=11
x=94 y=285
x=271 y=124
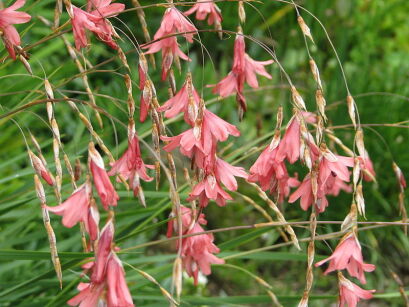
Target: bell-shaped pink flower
x=82 y=21
x=103 y=9
x=131 y=165
x=335 y=166
x=104 y=187
x=350 y=294
x=209 y=189
x=348 y=255
x=90 y=295
x=118 y=293
x=244 y=69
x=197 y=251
x=8 y=18
x=305 y=192
x=204 y=8
x=173 y=22
x=76 y=208
x=180 y=103
x=213 y=129
x=103 y=253
x=289 y=147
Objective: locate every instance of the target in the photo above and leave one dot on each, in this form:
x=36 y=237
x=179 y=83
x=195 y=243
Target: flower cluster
x=200 y=144
x=197 y=249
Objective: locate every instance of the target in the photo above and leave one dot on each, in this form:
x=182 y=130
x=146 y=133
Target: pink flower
x=89 y=296
x=335 y=166
x=306 y=194
x=77 y=208
x=180 y=103
x=351 y=294
x=95 y=21
x=173 y=22
x=81 y=21
x=198 y=250
x=131 y=165
x=104 y=9
x=118 y=292
x=9 y=17
x=213 y=129
x=348 y=255
x=226 y=174
x=289 y=147
x=103 y=253
x=244 y=69
x=204 y=8
x=104 y=187
x=209 y=189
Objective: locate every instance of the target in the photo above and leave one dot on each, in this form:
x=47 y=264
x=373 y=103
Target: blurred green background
x=371 y=38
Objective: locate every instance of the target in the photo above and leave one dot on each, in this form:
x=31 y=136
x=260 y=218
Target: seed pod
x=351 y=219
x=359 y=141
x=360 y=201
x=77 y=169
x=297 y=99
x=316 y=73
x=242 y=12
x=26 y=64
x=351 y=109
x=321 y=103
x=304 y=28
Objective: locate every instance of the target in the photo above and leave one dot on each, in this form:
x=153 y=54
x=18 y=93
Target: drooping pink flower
x=181 y=103
x=305 y=192
x=348 y=255
x=217 y=172
x=95 y=21
x=90 y=295
x=197 y=251
x=8 y=18
x=350 y=294
x=77 y=208
x=103 y=9
x=173 y=22
x=335 y=166
x=244 y=69
x=131 y=165
x=272 y=174
x=209 y=189
x=103 y=253
x=204 y=8
x=104 y=186
x=289 y=147
x=118 y=293
x=213 y=129
x=81 y=21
